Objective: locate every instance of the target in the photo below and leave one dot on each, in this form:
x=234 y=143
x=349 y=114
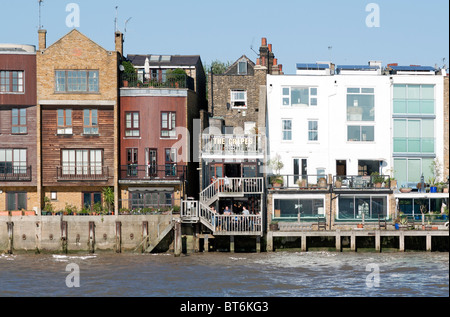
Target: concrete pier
x=354 y=234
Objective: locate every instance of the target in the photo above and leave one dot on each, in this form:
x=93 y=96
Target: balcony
x=168 y=172
x=372 y=182
x=232 y=145
x=15 y=174
x=299 y=182
x=168 y=81
x=82 y=173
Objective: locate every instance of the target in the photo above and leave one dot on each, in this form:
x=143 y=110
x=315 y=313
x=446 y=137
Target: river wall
x=64 y=234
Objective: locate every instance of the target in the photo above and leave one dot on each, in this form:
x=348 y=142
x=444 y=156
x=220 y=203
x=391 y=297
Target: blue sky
x=410 y=31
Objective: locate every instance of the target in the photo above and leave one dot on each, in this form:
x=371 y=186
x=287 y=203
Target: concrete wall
x=43 y=233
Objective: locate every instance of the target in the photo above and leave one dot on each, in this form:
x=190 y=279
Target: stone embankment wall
x=60 y=234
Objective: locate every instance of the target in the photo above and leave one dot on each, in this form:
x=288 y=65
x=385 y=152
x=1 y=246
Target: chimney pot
x=264 y=41
x=270 y=47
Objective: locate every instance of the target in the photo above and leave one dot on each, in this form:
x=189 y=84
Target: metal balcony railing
x=362 y=182
x=82 y=173
x=167 y=81
x=15 y=173
x=153 y=172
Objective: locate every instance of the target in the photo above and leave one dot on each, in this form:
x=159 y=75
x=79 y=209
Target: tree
x=217 y=67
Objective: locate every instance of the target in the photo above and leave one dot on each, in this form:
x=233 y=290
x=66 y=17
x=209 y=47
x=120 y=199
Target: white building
x=346 y=123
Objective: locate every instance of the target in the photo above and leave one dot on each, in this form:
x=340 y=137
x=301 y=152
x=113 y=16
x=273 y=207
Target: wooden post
x=118 y=239
x=178 y=244
x=258 y=244
x=428 y=242
x=91 y=236
x=303 y=243
x=206 y=243
x=38 y=233
x=10 y=226
x=377 y=241
x=196 y=238
x=269 y=241
x=232 y=244
x=353 y=242
x=338 y=241
x=64 y=236
x=144 y=236
x=401 y=240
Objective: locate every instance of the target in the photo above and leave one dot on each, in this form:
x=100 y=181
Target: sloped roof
x=249 y=61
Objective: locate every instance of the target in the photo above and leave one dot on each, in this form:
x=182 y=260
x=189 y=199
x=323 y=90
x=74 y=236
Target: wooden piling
x=232 y=244
x=338 y=241
x=269 y=241
x=303 y=243
x=64 y=234
x=91 y=242
x=206 y=243
x=353 y=242
x=10 y=226
x=178 y=244
x=377 y=241
x=258 y=244
x=401 y=242
x=144 y=236
x=428 y=245
x=118 y=238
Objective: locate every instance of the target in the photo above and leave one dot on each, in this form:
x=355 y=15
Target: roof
x=164 y=60
x=357 y=67
x=312 y=66
x=414 y=68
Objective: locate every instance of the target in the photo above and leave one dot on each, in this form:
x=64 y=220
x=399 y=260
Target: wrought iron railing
x=153 y=172
x=82 y=173
x=362 y=182
x=15 y=173
x=168 y=81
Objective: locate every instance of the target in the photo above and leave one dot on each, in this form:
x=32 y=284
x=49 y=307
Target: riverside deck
x=354 y=234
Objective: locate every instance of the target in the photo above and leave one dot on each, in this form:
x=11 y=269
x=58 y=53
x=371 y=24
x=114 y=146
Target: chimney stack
x=119 y=42
x=42 y=39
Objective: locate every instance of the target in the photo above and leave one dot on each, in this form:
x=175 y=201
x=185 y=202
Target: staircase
x=160 y=237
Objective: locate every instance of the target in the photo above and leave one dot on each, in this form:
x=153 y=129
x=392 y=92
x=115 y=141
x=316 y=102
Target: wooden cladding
x=54 y=143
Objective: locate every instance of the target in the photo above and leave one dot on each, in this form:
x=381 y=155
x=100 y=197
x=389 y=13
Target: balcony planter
x=360 y=226
x=274 y=226
x=322 y=183
x=338 y=183
x=4 y=213
x=433 y=189
x=29 y=213
x=405 y=190
x=16 y=213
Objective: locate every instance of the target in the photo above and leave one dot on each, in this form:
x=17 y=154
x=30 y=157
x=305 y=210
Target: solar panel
x=312 y=66
x=413 y=68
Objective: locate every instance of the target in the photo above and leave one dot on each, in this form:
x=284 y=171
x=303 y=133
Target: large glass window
x=76 y=81
x=238 y=98
x=291 y=208
x=132 y=124
x=360 y=133
x=408 y=171
x=90 y=121
x=16 y=201
x=19 y=121
x=299 y=96
x=313 y=130
x=13 y=161
x=82 y=162
x=360 y=104
x=414 y=136
x=354 y=207
x=168 y=124
x=414 y=99
x=64 y=121
x=11 y=81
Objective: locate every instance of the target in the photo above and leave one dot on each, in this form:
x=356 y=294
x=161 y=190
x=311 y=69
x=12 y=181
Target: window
x=360 y=104
x=299 y=96
x=360 y=133
x=151 y=199
x=64 y=121
x=242 y=68
x=132 y=162
x=414 y=99
x=408 y=171
x=171 y=162
x=19 y=121
x=313 y=130
x=238 y=99
x=90 y=121
x=82 y=162
x=16 y=200
x=91 y=199
x=132 y=124
x=292 y=208
x=13 y=161
x=354 y=207
x=287 y=130
x=414 y=136
x=76 y=81
x=152 y=162
x=11 y=81
x=168 y=124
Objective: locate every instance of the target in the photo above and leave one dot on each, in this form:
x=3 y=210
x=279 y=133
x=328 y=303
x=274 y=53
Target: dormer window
x=239 y=99
x=242 y=67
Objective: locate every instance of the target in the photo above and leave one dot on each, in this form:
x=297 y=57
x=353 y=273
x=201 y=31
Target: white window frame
x=283 y=130
x=238 y=96
x=312 y=98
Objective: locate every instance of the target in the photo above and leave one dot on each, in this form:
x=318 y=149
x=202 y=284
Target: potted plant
x=276 y=164
x=301 y=182
x=405 y=190
x=274 y=226
x=338 y=182
x=4 y=213
x=377 y=179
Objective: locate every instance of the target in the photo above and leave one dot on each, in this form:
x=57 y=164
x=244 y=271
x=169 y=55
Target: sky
x=345 y=32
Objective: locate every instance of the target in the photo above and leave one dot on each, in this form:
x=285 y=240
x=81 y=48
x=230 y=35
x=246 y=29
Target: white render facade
x=353 y=122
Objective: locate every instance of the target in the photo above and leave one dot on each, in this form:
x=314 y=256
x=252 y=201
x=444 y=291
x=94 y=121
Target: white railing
x=230 y=186
x=221 y=224
x=232 y=144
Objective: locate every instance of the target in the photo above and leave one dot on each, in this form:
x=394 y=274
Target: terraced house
x=18 y=172
x=77 y=120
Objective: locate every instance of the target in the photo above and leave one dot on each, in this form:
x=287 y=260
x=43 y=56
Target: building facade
x=336 y=131
x=158 y=114
x=18 y=152
x=77 y=122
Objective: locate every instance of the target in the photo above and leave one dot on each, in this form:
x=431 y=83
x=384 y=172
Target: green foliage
x=108 y=197
x=48 y=206
x=129 y=68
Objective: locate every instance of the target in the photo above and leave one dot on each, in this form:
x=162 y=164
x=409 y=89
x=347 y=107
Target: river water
x=280 y=274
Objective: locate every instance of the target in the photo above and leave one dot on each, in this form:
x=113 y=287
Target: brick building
x=18 y=172
x=77 y=120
